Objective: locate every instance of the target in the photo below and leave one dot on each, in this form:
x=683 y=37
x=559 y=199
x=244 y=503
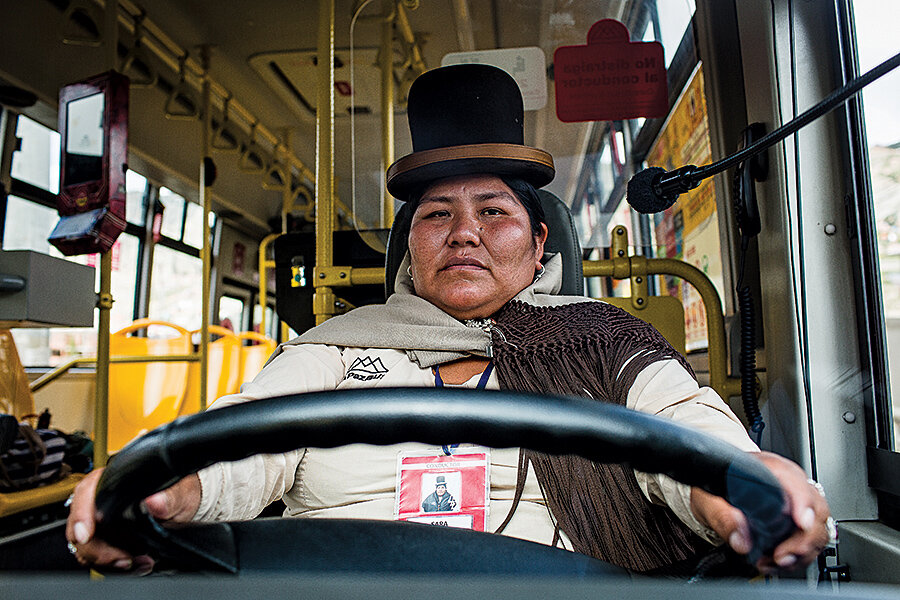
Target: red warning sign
x=610 y=78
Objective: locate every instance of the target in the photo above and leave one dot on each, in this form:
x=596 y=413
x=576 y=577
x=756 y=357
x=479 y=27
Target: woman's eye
x=492 y=211
x=437 y=213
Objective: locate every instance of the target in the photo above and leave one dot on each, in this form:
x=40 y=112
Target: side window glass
x=173 y=215
x=175 y=288
x=193 y=225
x=135 y=191
x=37 y=162
x=231 y=313
x=883 y=136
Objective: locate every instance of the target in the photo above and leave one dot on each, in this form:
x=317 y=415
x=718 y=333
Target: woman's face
x=471 y=246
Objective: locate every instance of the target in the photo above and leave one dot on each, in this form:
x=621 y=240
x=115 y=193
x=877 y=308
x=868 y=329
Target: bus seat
x=15 y=394
x=143 y=396
x=16 y=399
x=253 y=357
x=16 y=502
x=295 y=259
x=665 y=313
x=562 y=237
x=223 y=370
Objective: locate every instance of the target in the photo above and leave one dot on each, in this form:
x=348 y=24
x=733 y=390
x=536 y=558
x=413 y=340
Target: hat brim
x=419 y=168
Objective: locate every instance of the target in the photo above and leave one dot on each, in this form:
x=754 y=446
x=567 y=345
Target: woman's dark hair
x=528 y=196
x=524 y=191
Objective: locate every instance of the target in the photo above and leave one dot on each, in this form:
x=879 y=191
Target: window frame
x=882 y=456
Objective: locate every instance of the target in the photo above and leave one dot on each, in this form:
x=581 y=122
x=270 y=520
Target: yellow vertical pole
x=287 y=194
x=263 y=288
x=104 y=296
x=287 y=206
x=101 y=393
x=206 y=202
x=323 y=299
x=387 y=114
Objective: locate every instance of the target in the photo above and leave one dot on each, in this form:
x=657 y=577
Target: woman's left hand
x=806 y=504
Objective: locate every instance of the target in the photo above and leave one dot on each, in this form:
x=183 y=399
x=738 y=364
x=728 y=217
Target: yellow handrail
x=64 y=368
x=625 y=267
x=264 y=265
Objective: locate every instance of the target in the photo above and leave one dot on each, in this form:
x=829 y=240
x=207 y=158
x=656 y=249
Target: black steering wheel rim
x=557 y=425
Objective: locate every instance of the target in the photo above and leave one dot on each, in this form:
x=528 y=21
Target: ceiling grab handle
x=81 y=24
x=252 y=159
x=181 y=105
x=276 y=176
x=224 y=140
x=137 y=58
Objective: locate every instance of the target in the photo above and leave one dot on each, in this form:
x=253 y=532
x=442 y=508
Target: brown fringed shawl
x=594 y=350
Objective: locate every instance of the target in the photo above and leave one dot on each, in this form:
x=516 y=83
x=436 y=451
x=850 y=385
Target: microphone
x=654 y=189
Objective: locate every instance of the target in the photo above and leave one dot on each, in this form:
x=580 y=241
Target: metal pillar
x=104 y=296
x=323 y=299
x=206 y=202
x=386 y=63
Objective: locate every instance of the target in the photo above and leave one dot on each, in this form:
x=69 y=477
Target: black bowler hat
x=466 y=119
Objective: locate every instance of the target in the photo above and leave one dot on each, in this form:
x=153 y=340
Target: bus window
x=175 y=287
x=667 y=23
x=135 y=193
x=173 y=216
x=28 y=224
x=193 y=225
x=41 y=347
x=231 y=310
x=883 y=137
x=37 y=162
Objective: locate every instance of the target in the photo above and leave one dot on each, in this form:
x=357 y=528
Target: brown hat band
x=524 y=158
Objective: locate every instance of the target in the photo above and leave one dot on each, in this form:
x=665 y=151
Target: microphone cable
x=746 y=214
x=747 y=356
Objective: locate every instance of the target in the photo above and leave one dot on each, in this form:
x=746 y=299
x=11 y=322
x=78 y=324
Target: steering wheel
x=597 y=431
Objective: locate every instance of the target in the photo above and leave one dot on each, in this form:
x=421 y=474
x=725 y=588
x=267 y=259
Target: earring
x=538 y=275
x=409 y=272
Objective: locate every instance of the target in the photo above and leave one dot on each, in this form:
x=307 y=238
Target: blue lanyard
x=482 y=382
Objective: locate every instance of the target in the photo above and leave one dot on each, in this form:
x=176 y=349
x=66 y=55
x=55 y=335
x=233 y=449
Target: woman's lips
x=463 y=264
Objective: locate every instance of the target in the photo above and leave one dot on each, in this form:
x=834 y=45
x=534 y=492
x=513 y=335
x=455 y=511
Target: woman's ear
x=539 y=241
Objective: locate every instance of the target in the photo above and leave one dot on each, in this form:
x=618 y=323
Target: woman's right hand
x=176 y=504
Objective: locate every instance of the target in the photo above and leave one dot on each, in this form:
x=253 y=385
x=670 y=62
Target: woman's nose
x=465 y=230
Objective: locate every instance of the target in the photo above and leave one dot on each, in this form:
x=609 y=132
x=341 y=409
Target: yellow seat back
x=143 y=396
x=254 y=357
x=15 y=394
x=222 y=373
x=665 y=313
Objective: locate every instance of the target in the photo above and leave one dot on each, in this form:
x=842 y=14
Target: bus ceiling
x=263 y=84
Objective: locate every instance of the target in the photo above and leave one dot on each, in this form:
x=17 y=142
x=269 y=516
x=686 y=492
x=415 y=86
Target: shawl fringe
x=593 y=350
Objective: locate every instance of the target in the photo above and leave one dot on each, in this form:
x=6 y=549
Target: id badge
x=449 y=490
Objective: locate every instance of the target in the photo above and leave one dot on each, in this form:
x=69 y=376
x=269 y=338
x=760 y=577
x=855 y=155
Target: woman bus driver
x=476 y=307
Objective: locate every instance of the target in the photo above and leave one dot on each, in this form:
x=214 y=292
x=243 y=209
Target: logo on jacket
x=365 y=368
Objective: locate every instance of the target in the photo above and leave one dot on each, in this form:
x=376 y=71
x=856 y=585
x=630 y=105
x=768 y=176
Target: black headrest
x=562 y=238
